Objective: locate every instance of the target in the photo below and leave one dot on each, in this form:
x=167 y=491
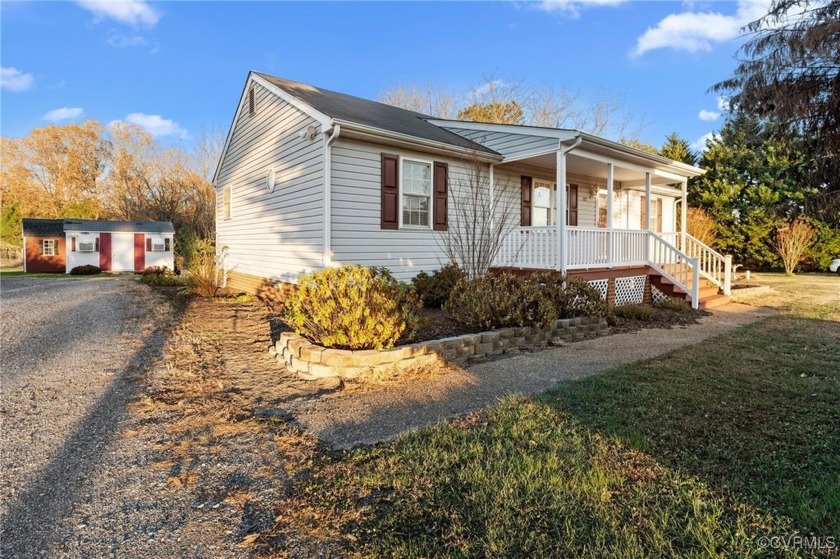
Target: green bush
x=640 y=312
x=162 y=280
x=677 y=305
x=434 y=289
x=352 y=307
x=85 y=270
x=504 y=299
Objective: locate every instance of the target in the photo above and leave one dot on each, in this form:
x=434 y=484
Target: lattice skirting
x=629 y=290
x=601 y=285
x=657 y=295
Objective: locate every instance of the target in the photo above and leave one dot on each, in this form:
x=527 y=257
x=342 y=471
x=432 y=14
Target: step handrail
x=714 y=266
x=678 y=257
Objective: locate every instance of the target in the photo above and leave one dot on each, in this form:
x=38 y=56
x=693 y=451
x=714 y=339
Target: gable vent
x=251 y=105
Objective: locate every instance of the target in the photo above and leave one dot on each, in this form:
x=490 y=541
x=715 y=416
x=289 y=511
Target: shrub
x=157 y=271
x=204 y=276
x=85 y=270
x=162 y=280
x=352 y=307
x=641 y=312
x=671 y=304
x=434 y=289
x=499 y=300
x=503 y=299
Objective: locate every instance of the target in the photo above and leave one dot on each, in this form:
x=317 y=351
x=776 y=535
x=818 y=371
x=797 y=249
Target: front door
x=544 y=204
x=122 y=252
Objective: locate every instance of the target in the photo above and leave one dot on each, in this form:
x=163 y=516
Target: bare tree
x=430 y=100
x=792 y=240
x=479 y=219
x=701 y=226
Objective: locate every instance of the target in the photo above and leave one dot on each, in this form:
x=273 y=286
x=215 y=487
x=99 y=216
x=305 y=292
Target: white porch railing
x=589 y=247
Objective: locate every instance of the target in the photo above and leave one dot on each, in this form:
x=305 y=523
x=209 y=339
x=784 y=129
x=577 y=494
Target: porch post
x=647 y=215
x=684 y=214
x=610 y=235
x=492 y=198
x=561 y=209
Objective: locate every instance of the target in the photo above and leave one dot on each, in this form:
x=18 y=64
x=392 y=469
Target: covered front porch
x=621 y=208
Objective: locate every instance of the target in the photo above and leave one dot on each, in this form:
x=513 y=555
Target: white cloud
x=708 y=116
x=157 y=126
x=488 y=87
x=572 y=7
x=699 y=145
x=13 y=79
x=120 y=41
x=64 y=113
x=698 y=31
x=723 y=103
x=131 y=12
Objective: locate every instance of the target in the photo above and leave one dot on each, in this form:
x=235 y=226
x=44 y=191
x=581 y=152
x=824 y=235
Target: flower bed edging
x=312 y=362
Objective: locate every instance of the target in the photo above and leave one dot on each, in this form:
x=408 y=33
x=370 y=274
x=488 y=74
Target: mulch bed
x=662 y=318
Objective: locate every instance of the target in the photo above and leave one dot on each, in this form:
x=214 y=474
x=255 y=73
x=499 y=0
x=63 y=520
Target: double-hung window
x=416 y=193
x=543 y=204
x=48 y=247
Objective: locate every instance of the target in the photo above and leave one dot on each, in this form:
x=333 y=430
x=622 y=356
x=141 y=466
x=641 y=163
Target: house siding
x=81 y=258
x=36 y=262
x=276 y=235
x=357 y=236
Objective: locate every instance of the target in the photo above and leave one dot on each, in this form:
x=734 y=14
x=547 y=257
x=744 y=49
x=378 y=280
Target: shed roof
x=33 y=227
x=119 y=226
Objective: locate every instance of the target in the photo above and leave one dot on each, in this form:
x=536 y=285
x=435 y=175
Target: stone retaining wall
x=313 y=362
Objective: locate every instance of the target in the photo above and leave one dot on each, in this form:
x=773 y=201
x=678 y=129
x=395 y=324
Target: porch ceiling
x=579 y=165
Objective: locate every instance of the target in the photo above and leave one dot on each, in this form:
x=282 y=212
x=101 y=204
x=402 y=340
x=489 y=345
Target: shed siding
x=36 y=262
x=81 y=258
x=510 y=145
x=357 y=236
x=278 y=234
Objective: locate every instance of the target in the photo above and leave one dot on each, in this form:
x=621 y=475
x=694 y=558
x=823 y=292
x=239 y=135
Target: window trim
x=53 y=249
x=402 y=193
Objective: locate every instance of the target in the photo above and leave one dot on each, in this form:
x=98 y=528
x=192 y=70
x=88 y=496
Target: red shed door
x=139 y=252
x=105 y=251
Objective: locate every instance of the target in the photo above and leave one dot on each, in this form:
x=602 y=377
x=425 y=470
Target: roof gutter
x=330 y=136
x=408 y=141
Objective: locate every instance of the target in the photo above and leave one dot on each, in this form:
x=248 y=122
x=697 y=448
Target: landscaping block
x=337 y=358
x=298 y=365
x=490 y=337
x=311 y=353
x=322 y=371
x=484 y=348
x=295 y=344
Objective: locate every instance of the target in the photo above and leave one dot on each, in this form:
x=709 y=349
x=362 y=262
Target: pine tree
x=678 y=149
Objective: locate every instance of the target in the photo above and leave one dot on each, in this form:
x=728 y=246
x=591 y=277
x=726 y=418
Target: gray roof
x=371 y=113
x=43 y=227
x=119 y=226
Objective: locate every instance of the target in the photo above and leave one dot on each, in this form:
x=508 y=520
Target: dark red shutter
x=390 y=191
x=525 y=218
x=166 y=244
x=148 y=245
x=441 y=195
x=73 y=244
x=96 y=245
x=573 y=206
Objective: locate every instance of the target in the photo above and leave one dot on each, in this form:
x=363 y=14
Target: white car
x=835 y=266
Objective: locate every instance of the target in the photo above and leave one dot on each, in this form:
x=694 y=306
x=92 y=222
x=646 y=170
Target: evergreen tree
x=678 y=149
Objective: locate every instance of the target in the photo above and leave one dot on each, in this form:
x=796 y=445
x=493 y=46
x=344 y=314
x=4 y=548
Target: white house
x=310 y=178
x=59 y=245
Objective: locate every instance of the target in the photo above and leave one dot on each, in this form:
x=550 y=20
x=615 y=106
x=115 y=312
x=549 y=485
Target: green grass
x=8 y=273
x=698 y=453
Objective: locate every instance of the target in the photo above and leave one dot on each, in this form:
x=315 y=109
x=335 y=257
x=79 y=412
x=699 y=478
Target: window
x=655 y=214
x=48 y=247
x=86 y=246
x=226 y=202
x=602 y=209
x=417 y=193
x=157 y=245
x=542 y=204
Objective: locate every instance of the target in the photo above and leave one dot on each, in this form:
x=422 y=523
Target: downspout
x=330 y=136
x=561 y=200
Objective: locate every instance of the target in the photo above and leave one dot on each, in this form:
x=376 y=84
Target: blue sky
x=177 y=68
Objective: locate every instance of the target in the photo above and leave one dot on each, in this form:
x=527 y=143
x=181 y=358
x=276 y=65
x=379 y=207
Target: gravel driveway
x=72 y=353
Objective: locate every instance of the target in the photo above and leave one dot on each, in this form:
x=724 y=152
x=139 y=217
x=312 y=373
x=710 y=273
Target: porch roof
x=590 y=144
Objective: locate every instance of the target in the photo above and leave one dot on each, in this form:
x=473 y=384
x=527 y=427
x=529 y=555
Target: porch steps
x=710 y=296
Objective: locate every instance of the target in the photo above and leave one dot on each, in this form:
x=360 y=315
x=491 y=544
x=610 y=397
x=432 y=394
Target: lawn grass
x=9 y=273
x=802 y=295
x=698 y=453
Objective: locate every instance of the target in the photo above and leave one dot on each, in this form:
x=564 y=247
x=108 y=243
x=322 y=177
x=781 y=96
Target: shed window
x=416 y=193
x=226 y=202
x=48 y=247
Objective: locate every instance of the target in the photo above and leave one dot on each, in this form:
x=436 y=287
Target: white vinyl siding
x=272 y=234
x=79 y=258
x=357 y=236
x=159 y=258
